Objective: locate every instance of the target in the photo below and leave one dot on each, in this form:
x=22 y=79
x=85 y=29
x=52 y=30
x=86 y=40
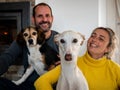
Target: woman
x=96 y=64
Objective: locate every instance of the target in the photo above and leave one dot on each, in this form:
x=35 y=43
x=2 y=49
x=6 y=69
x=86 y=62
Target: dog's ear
x=56 y=38
x=83 y=38
x=19 y=39
x=41 y=37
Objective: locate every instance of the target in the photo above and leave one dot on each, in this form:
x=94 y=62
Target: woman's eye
x=101 y=39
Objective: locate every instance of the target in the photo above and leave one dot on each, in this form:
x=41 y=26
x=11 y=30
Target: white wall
x=78 y=15
x=102 y=13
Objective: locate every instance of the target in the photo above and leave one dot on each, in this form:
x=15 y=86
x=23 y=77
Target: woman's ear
x=107 y=50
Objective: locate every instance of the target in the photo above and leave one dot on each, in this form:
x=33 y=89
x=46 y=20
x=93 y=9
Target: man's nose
x=44 y=18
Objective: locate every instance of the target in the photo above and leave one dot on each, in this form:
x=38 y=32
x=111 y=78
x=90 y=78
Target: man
x=42 y=18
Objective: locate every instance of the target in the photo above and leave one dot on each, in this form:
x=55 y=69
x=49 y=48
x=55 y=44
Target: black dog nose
x=68 y=57
x=30 y=41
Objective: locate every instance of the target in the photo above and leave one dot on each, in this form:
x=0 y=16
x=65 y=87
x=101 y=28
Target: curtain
x=118 y=7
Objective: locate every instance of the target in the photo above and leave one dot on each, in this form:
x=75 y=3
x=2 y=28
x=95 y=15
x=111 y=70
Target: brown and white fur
x=33 y=39
x=71 y=77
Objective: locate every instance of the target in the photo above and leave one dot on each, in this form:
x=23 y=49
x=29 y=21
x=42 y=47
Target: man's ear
x=33 y=20
x=52 y=18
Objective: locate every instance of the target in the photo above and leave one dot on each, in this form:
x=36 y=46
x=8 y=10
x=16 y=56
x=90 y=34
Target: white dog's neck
x=69 y=65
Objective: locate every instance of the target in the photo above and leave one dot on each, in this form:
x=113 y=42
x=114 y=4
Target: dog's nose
x=68 y=57
x=30 y=41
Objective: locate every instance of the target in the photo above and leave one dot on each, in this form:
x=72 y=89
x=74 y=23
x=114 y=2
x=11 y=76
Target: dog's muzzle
x=68 y=57
x=30 y=41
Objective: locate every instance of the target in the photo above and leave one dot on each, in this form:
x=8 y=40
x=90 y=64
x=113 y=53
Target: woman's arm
x=46 y=81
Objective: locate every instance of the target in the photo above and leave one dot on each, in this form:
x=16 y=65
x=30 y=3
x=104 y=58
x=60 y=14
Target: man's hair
x=41 y=4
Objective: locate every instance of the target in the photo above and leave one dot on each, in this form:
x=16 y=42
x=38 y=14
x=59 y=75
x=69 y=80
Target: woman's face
x=97 y=44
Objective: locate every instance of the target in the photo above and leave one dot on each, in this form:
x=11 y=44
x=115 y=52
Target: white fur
x=71 y=77
x=35 y=58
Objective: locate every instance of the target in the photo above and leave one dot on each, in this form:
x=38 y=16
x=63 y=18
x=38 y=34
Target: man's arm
x=9 y=56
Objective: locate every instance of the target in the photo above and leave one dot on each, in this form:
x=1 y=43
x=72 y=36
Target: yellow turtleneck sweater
x=102 y=74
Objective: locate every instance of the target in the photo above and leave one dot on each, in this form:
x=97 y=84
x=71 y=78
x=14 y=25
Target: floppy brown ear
x=20 y=40
x=82 y=40
x=41 y=37
x=83 y=37
x=56 y=38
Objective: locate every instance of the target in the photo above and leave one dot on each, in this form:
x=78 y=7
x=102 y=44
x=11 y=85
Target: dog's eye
x=25 y=34
x=75 y=40
x=34 y=33
x=62 y=41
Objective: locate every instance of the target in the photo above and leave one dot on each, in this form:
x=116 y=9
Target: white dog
x=71 y=77
x=33 y=40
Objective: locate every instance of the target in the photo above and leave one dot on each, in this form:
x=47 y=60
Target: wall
x=102 y=13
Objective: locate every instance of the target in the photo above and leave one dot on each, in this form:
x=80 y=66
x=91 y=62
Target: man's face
x=43 y=18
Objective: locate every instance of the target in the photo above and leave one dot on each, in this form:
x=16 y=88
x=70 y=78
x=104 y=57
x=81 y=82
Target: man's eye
x=62 y=41
x=25 y=34
x=40 y=16
x=75 y=40
x=47 y=15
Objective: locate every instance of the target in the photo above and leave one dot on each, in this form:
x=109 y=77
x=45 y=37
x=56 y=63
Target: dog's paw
x=16 y=82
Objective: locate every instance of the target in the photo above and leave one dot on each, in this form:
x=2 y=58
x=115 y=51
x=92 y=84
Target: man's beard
x=44 y=30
